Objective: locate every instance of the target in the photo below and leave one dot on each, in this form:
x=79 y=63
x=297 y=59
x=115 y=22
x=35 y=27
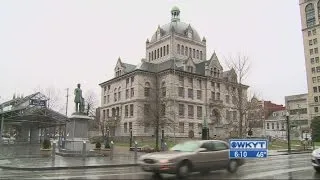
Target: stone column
x=34 y=135
x=2 y=129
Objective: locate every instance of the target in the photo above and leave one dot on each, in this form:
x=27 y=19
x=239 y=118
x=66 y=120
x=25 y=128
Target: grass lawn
x=275 y=145
x=140 y=144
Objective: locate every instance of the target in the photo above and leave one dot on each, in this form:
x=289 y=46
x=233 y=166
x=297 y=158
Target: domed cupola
x=175 y=14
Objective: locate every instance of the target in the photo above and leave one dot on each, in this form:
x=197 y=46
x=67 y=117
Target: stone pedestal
x=77 y=131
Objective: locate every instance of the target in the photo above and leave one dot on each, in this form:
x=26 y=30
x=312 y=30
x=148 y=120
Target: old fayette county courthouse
x=177 y=75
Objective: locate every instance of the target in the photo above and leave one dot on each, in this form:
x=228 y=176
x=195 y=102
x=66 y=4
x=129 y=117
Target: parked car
x=191 y=156
x=315 y=159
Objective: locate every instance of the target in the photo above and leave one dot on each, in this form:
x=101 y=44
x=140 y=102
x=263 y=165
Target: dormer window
x=118 y=72
x=190 y=69
x=189 y=34
x=214 y=72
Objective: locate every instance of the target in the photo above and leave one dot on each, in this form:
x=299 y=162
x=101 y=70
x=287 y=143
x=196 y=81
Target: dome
x=175 y=8
x=179 y=28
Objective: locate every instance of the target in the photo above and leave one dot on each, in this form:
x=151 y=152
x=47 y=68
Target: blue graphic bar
x=247 y=154
x=248 y=148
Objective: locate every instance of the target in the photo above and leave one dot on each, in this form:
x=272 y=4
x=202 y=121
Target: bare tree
x=54 y=98
x=241 y=66
x=158 y=109
x=91 y=101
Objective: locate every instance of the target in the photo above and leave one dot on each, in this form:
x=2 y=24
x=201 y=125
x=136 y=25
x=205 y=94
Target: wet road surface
x=275 y=167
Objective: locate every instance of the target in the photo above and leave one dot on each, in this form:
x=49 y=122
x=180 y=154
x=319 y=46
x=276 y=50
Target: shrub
x=315 y=126
x=96 y=139
x=107 y=146
x=98 y=145
x=46 y=144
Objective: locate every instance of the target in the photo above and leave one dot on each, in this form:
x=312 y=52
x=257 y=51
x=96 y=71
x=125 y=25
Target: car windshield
x=188 y=146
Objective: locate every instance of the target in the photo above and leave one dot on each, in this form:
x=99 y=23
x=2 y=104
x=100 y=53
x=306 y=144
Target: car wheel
x=183 y=170
x=232 y=166
x=317 y=169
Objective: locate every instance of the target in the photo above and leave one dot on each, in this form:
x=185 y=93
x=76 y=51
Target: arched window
x=178 y=48
x=161 y=52
x=149 y=56
x=115 y=94
x=157 y=53
x=147 y=89
x=211 y=71
x=167 y=49
x=214 y=72
x=119 y=93
x=182 y=50
x=163 y=89
x=186 y=51
x=152 y=55
x=218 y=73
x=190 y=52
x=197 y=54
x=201 y=55
x=310 y=15
x=164 y=50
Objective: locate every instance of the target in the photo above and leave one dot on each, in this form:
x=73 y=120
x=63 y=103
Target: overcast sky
x=61 y=43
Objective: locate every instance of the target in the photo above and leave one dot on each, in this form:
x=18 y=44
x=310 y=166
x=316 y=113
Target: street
x=275 y=167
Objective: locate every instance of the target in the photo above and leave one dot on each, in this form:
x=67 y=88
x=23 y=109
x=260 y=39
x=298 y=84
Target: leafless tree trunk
x=240 y=65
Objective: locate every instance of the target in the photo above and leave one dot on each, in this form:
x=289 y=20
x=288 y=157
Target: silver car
x=191 y=156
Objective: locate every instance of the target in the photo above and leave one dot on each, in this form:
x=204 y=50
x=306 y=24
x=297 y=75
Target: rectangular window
x=282 y=126
x=131 y=110
x=234 y=114
x=310 y=42
x=127 y=82
x=218 y=86
x=316 y=109
x=315 y=89
x=314 y=32
x=181 y=127
x=314 y=79
x=309 y=33
x=311 y=51
x=318 y=88
x=317 y=59
x=127 y=94
x=199 y=94
x=190 y=80
x=318 y=68
x=107 y=114
x=218 y=96
x=108 y=98
x=119 y=96
x=181 y=110
x=194 y=53
x=132 y=80
x=126 y=111
x=278 y=126
x=315 y=98
x=318 y=78
x=115 y=97
x=190 y=93
x=201 y=55
x=132 y=92
x=313 y=70
x=212 y=84
x=315 y=41
x=190 y=111
x=146 y=91
x=104 y=99
x=272 y=125
x=316 y=50
x=163 y=110
x=199 y=112
x=227 y=99
x=213 y=95
x=181 y=80
x=312 y=60
x=125 y=127
x=104 y=114
x=181 y=91
x=200 y=83
x=191 y=127
x=268 y=126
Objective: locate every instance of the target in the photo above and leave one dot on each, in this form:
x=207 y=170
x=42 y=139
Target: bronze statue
x=79 y=100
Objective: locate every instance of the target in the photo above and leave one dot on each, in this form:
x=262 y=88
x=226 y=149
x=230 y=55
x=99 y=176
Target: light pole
x=288 y=132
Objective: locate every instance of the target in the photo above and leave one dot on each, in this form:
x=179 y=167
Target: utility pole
x=65 y=127
x=288 y=133
x=67 y=101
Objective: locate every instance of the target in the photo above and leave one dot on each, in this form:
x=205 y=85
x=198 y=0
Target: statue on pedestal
x=79 y=100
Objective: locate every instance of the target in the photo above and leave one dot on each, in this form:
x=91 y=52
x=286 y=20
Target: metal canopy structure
x=31 y=109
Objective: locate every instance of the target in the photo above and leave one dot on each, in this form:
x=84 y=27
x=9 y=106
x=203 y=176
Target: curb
x=63 y=168
x=304 y=152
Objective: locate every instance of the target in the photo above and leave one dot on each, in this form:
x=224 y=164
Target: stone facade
x=176 y=88
x=309 y=10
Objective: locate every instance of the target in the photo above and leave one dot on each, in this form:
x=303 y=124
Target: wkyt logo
x=237 y=144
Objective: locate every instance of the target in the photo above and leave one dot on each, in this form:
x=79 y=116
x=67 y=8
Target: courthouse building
x=190 y=87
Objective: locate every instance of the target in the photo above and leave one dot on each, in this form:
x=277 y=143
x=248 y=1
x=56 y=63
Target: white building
x=310 y=16
x=275 y=125
x=176 y=74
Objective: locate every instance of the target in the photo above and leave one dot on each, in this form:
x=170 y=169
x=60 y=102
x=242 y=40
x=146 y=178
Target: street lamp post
x=288 y=132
